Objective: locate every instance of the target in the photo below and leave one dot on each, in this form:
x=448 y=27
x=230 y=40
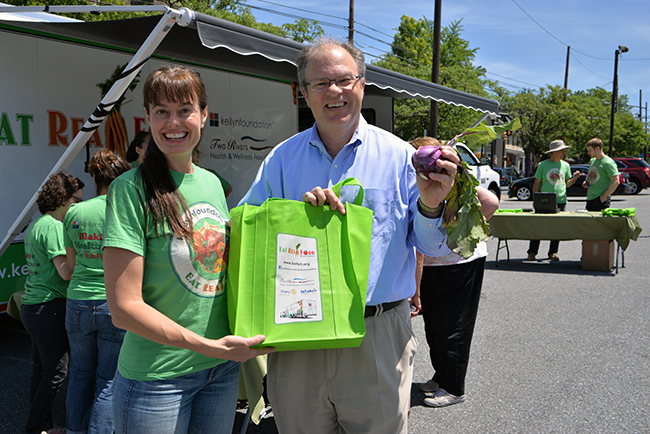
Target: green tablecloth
x=565 y=226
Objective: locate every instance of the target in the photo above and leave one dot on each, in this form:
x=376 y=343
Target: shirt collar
x=357 y=138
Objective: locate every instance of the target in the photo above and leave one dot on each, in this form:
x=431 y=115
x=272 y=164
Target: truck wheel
x=524 y=193
x=496 y=190
x=636 y=187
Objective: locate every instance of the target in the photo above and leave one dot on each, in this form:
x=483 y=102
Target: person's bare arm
x=574 y=178
x=61 y=264
x=416 y=305
x=612 y=187
x=123 y=272
x=70 y=254
x=489 y=201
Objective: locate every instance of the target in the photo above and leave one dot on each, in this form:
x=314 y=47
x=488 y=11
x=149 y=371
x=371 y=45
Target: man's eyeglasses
x=343 y=82
x=77 y=199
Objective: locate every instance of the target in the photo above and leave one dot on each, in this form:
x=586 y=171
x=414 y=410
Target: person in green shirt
x=196 y=157
x=43 y=305
x=165 y=256
x=602 y=179
x=553 y=176
x=137 y=148
x=94 y=341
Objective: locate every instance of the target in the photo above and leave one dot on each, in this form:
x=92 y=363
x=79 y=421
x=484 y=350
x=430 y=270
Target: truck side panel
x=50 y=90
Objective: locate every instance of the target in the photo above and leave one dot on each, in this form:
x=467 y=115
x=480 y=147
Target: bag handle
x=349 y=181
x=347 y=227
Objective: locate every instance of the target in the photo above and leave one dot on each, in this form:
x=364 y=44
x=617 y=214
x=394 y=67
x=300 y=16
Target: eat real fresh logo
x=297 y=251
x=16 y=130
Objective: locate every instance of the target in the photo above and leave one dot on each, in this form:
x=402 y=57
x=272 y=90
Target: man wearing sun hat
x=553 y=176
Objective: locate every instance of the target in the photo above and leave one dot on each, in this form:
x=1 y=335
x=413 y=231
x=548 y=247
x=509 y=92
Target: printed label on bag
x=297 y=285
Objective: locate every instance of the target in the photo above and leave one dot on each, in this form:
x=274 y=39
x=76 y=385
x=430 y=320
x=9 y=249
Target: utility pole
x=351 y=21
x=566 y=72
x=435 y=66
x=621 y=49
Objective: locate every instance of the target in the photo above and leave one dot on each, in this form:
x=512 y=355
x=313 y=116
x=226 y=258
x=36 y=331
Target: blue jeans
x=201 y=402
x=45 y=323
x=94 y=347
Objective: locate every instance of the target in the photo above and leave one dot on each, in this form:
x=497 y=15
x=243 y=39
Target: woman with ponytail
x=165 y=255
x=94 y=341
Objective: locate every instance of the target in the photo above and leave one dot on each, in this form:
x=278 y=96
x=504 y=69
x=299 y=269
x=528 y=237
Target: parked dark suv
x=638 y=169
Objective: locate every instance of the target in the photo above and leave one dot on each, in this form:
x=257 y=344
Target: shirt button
x=336 y=166
x=430 y=224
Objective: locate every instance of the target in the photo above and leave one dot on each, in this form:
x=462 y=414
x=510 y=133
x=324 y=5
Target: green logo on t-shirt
x=593 y=176
x=210 y=250
x=554 y=176
x=201 y=267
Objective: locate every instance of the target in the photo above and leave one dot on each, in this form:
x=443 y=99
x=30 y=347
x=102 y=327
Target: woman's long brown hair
x=164 y=202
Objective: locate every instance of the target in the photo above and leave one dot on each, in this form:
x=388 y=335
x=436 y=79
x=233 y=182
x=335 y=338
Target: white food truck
x=300 y=309
x=51 y=115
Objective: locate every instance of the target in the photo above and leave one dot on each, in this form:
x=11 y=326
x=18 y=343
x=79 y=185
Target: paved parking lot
x=556 y=349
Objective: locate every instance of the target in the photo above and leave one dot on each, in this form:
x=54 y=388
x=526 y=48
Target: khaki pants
x=348 y=390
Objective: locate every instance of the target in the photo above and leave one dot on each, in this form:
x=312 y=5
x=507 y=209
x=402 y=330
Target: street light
x=621 y=49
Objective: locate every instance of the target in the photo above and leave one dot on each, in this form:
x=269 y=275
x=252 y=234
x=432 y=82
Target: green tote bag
x=298 y=273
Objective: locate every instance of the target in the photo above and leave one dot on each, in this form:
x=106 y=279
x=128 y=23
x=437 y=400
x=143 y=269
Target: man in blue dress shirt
x=365 y=389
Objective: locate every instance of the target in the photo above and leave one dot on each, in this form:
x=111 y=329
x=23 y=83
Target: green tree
x=546 y=116
x=411 y=54
x=543 y=114
x=630 y=138
x=303 y=30
x=589 y=118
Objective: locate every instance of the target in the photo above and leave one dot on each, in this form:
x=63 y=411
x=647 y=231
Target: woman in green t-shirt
x=137 y=148
x=165 y=255
x=94 y=341
x=43 y=305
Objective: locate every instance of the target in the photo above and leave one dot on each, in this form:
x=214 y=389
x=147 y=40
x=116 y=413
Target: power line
x=583 y=65
x=540 y=26
x=338 y=26
x=512 y=79
x=574 y=50
x=294 y=8
x=295 y=17
x=325 y=15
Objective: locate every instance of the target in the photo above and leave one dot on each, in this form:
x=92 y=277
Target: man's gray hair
x=306 y=53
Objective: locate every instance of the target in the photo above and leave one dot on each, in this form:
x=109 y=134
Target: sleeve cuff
x=432 y=213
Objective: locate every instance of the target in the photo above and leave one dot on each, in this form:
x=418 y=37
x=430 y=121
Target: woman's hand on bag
x=319 y=197
x=237 y=348
x=435 y=189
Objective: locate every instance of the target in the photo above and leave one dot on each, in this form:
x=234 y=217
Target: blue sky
x=522 y=43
